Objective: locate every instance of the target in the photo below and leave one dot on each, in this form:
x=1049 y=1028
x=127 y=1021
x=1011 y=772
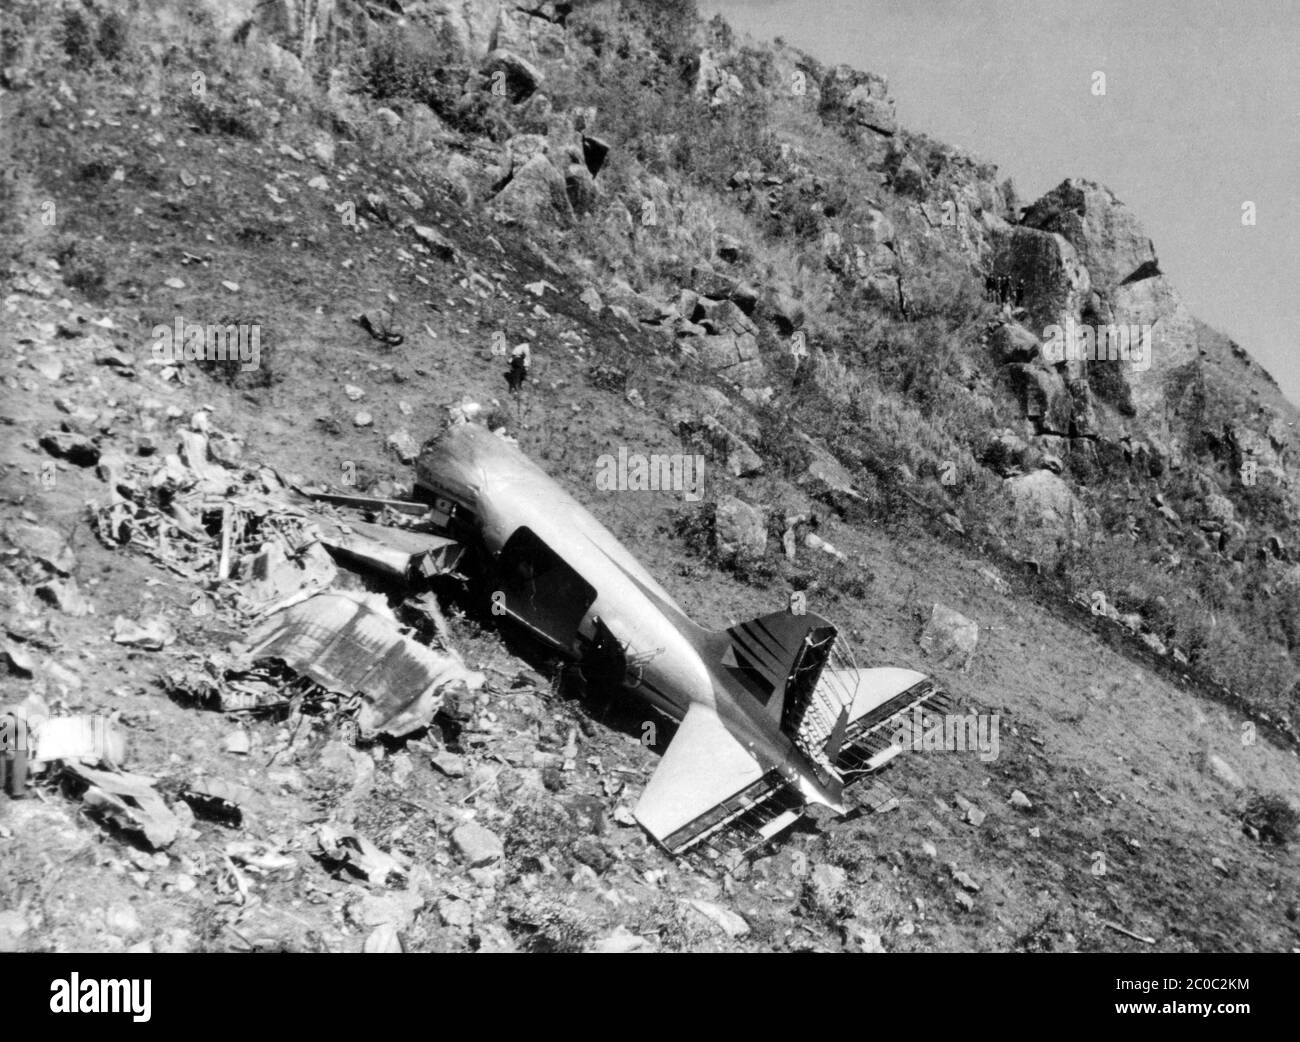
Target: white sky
x=1202 y=113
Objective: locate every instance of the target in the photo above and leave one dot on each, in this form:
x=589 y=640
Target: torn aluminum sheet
x=774 y=714
x=342 y=846
x=346 y=644
x=271 y=575
x=129 y=801
x=92 y=738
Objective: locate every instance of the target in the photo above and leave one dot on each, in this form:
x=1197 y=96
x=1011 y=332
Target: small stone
x=237 y=743
x=354 y=393
x=972 y=815
x=1224 y=771
x=363 y=419
x=20 y=660
x=174 y=283
x=383 y=940
x=858 y=937
x=450 y=764
x=12 y=928
x=724 y=919
x=455 y=913
x=487 y=878
x=1020 y=801
x=122 y=920
x=965 y=900
x=477 y=845
x=621 y=941
x=403 y=445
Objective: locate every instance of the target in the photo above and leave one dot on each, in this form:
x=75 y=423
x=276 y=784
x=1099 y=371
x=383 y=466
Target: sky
x=1201 y=114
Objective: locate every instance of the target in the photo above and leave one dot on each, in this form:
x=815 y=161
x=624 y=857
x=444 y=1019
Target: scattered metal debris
x=351 y=645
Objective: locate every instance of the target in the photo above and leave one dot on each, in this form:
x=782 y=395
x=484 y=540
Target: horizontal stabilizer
x=882 y=696
x=704 y=780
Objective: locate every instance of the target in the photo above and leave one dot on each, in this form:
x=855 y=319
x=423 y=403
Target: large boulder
x=1044 y=397
x=861 y=98
x=826 y=479
x=1045 y=270
x=521 y=78
x=1219 y=513
x=693 y=406
x=536 y=191
x=1173 y=340
x=713 y=82
x=1267 y=450
x=1012 y=342
x=950 y=636
x=535 y=32
x=1042 y=501
x=723 y=316
x=464 y=29
x=739 y=529
x=1110 y=242
x=732 y=356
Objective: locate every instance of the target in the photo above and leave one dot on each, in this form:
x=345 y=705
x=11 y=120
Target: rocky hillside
x=910 y=388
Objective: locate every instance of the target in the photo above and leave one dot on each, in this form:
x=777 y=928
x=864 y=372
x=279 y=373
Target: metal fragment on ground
x=344 y=644
x=128 y=801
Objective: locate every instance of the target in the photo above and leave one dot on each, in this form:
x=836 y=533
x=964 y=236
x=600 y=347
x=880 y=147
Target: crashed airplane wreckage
x=774 y=717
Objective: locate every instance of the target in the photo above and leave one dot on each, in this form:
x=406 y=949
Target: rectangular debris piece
x=347 y=646
x=395 y=551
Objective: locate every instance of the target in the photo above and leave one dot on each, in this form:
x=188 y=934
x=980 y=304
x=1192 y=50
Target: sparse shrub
x=78 y=38
x=538 y=827
x=399 y=65
x=113 y=34
x=84 y=268
x=1269 y=814
x=830 y=906
x=751 y=567
x=695 y=527
x=548 y=926
x=213 y=114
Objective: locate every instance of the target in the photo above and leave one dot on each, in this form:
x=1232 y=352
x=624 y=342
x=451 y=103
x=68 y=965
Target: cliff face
x=909 y=388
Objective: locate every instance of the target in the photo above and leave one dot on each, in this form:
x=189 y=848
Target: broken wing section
x=704 y=783
x=351 y=648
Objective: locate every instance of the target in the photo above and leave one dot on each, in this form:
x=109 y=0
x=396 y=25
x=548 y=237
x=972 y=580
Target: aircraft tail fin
x=780 y=659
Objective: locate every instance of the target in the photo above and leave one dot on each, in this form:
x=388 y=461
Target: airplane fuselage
x=543 y=541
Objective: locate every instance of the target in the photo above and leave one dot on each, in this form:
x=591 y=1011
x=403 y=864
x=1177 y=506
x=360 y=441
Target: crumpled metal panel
x=345 y=645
